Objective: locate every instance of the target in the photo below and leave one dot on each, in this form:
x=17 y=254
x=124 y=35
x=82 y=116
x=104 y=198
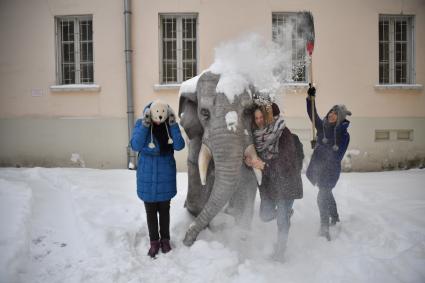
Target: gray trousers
x=280 y=210
x=327 y=206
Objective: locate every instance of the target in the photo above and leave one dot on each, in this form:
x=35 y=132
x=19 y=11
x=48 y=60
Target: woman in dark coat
x=325 y=164
x=281 y=156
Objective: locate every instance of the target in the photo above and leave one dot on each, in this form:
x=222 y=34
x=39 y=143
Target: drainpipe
x=131 y=155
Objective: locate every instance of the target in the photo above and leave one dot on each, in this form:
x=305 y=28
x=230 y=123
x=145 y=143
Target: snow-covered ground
x=86 y=225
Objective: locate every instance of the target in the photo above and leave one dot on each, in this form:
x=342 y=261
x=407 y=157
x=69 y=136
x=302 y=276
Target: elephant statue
x=219 y=133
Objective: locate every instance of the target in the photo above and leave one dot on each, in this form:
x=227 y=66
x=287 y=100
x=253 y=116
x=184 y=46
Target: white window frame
x=76 y=19
x=410 y=56
x=296 y=15
x=179 y=46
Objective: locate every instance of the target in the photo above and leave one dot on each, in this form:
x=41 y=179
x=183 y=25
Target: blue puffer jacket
x=325 y=164
x=156 y=173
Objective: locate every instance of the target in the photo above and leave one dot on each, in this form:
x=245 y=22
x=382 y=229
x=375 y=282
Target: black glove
x=311 y=91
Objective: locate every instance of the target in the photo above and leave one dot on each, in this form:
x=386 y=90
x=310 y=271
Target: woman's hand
x=255 y=163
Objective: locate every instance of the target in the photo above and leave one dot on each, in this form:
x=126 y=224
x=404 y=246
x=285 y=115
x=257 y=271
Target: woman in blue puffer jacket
x=325 y=164
x=155 y=137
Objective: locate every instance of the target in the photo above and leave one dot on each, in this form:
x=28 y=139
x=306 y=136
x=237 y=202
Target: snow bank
x=85 y=225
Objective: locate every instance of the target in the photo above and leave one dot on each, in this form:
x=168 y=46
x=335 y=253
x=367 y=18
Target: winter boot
x=279 y=253
x=154 y=249
x=165 y=246
x=324 y=232
x=334 y=220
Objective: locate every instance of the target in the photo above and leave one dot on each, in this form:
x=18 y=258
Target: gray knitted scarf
x=266 y=140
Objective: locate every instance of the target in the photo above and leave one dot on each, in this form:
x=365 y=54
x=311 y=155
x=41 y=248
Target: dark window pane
x=400 y=73
x=68 y=53
x=383 y=30
x=400 y=30
x=170 y=72
x=188 y=50
x=383 y=73
x=86 y=30
x=86 y=73
x=189 y=27
x=83 y=52
x=189 y=70
x=169 y=28
x=67 y=28
x=86 y=51
x=169 y=50
x=384 y=52
x=68 y=74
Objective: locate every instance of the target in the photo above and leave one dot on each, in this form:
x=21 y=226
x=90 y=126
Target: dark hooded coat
x=332 y=142
x=282 y=174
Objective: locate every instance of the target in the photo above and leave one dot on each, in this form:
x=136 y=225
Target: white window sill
x=75 y=88
x=166 y=86
x=296 y=85
x=399 y=86
x=293 y=86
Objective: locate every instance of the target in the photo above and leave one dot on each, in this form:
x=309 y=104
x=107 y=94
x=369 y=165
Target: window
x=178 y=48
x=382 y=135
x=74 y=49
x=405 y=135
x=396 y=35
x=394 y=135
x=288 y=23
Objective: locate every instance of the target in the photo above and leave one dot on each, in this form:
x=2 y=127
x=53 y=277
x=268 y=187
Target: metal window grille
x=289 y=22
x=178 y=42
x=74 y=36
x=396 y=53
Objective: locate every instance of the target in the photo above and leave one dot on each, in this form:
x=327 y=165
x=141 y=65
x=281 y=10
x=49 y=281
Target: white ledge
x=75 y=88
x=399 y=86
x=296 y=85
x=166 y=86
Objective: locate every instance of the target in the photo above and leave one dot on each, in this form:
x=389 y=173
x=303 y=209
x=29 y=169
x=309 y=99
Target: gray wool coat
x=282 y=175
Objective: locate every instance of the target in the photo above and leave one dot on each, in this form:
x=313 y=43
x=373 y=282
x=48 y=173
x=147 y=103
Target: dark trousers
x=327 y=205
x=152 y=211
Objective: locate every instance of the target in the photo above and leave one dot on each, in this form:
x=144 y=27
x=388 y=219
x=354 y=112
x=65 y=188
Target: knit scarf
x=266 y=140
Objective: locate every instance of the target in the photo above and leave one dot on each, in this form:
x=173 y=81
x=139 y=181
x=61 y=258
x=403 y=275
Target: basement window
x=382 y=135
x=404 y=135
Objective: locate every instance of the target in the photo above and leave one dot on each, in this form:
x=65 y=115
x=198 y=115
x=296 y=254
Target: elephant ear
x=188 y=113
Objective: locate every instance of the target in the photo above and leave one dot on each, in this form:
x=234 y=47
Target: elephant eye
x=247 y=111
x=205 y=113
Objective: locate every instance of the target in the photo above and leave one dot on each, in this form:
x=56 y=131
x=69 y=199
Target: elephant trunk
x=227 y=153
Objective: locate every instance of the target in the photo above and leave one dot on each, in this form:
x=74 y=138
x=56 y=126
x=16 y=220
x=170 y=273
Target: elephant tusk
x=203 y=162
x=252 y=153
